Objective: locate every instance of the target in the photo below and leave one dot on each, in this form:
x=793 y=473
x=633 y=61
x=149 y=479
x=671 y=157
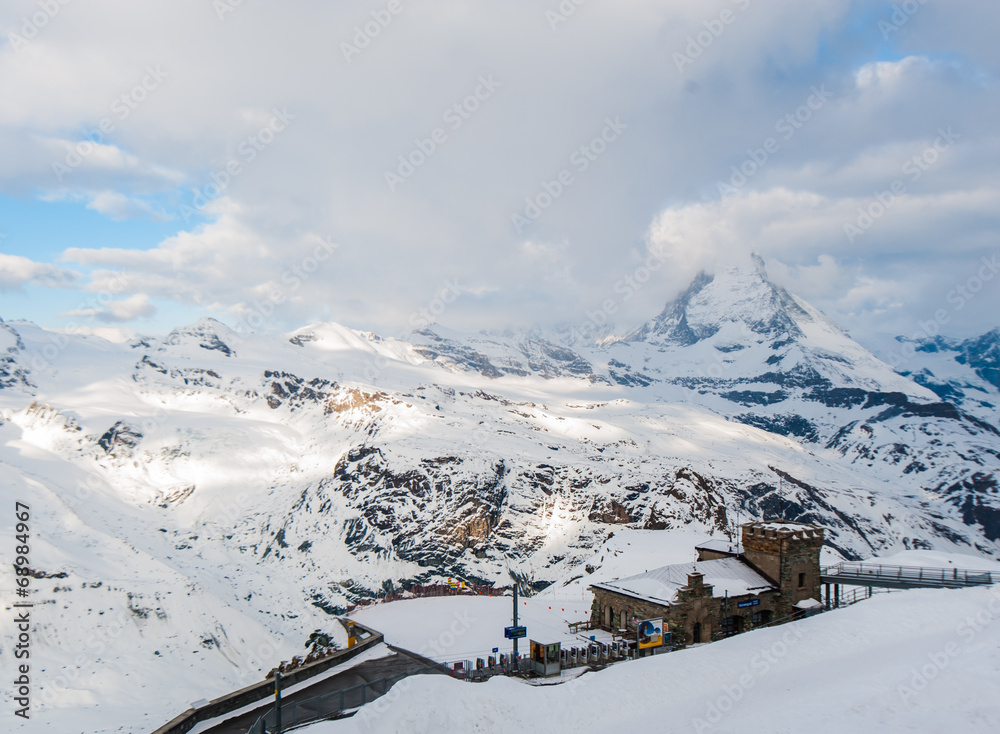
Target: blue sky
x=244 y=159
x=42 y=230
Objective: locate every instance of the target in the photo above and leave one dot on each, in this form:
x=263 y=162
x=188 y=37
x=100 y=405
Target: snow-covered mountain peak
x=740 y=296
x=329 y=336
x=739 y=328
x=207 y=333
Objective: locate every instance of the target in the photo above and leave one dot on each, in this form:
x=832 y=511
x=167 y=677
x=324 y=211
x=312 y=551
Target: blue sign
x=515 y=633
x=496 y=649
x=751 y=603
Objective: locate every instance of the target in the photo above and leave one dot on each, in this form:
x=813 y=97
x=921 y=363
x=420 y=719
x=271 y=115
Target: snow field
x=921 y=661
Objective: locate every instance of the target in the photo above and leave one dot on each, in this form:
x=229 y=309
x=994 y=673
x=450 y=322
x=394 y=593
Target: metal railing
x=333 y=704
x=845 y=600
x=257 y=693
x=855 y=595
x=875 y=573
x=591 y=653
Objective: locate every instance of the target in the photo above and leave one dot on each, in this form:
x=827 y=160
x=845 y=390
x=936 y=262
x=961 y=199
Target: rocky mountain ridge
x=282 y=478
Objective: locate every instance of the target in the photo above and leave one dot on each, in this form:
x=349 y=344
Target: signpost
x=515 y=633
x=745 y=604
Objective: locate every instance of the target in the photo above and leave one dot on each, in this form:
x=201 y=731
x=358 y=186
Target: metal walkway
x=904 y=577
x=344 y=691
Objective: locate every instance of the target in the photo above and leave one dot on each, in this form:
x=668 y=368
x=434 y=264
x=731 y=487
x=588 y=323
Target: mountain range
x=208 y=488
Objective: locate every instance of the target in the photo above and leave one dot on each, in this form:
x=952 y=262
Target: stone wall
x=623 y=610
x=788 y=554
x=695 y=605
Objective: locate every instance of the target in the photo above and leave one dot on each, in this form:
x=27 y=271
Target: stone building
x=770 y=574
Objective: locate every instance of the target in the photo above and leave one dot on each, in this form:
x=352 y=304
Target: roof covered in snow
x=720 y=545
x=782 y=526
x=660 y=586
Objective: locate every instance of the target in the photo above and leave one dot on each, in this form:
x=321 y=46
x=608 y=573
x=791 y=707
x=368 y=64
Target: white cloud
x=121 y=311
x=17 y=272
x=116 y=334
x=119 y=206
x=324 y=176
x=887 y=75
x=897 y=271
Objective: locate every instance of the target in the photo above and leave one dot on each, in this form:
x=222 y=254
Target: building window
x=802 y=580
x=758 y=618
x=730 y=626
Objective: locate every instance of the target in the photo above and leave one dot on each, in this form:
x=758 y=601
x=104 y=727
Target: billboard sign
x=515 y=633
x=650 y=633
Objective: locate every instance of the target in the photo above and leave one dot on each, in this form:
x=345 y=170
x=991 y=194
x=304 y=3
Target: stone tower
x=788 y=554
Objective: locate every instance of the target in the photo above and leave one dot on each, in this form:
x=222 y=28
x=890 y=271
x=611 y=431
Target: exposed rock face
x=120 y=439
x=498 y=354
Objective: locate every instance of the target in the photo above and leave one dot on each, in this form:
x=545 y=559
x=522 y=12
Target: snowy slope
x=963 y=372
x=278 y=479
x=460 y=628
x=909 y=662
